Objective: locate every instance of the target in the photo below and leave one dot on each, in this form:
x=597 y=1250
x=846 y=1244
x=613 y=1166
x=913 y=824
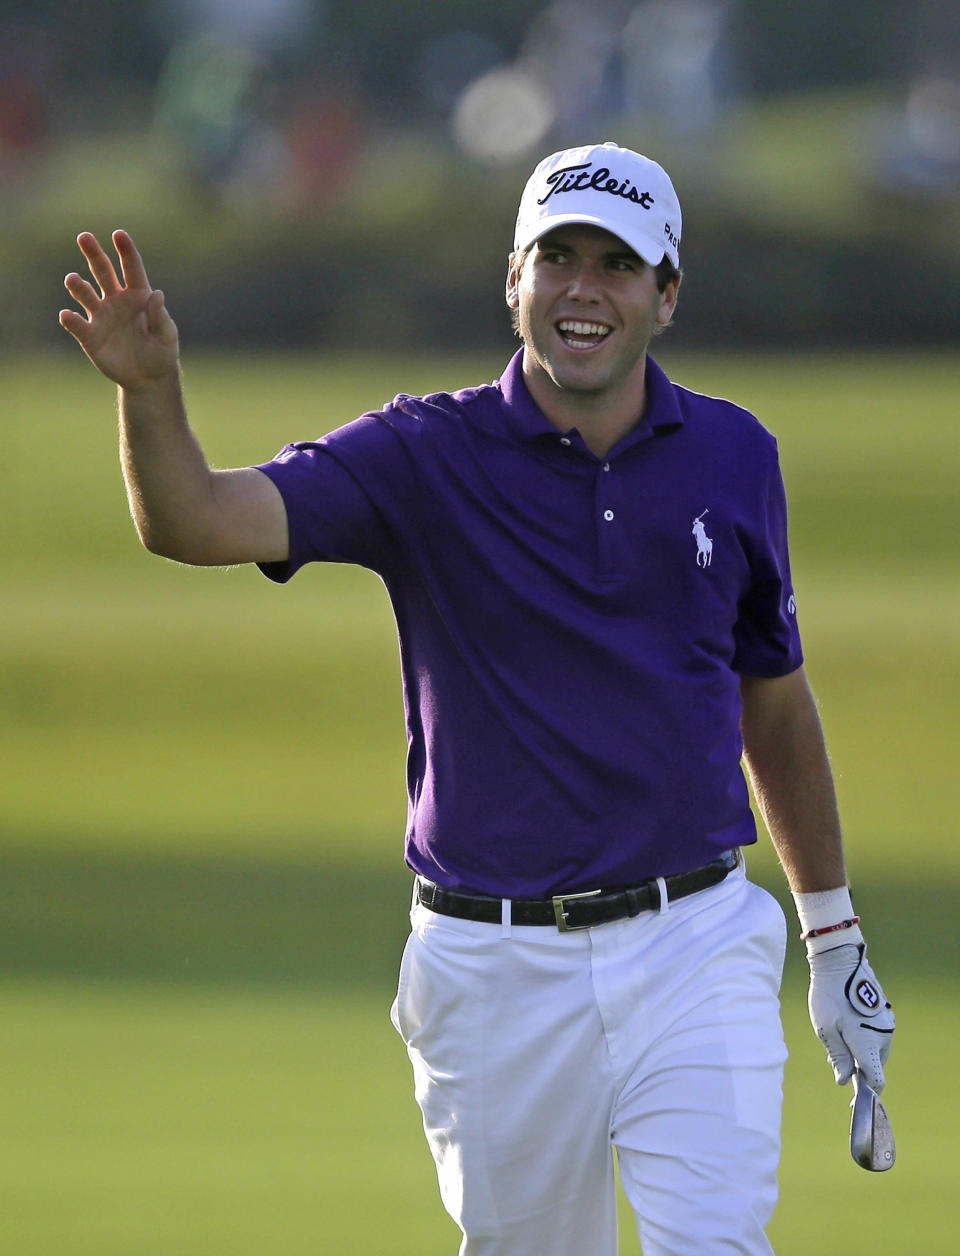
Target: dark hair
x=665 y=270
x=667 y=273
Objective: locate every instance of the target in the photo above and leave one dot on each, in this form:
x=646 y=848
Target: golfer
x=589 y=569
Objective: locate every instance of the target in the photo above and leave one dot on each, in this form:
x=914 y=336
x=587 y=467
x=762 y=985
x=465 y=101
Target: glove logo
x=868 y=994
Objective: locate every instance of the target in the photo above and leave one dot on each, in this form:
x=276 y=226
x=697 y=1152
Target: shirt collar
x=529 y=422
x=523 y=414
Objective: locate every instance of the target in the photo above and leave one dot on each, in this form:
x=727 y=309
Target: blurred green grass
x=202 y=773
x=154 y=1121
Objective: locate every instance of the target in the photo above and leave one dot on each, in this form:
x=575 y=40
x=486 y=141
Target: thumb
x=158 y=319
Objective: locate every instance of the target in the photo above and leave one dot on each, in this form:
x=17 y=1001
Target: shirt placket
x=607 y=521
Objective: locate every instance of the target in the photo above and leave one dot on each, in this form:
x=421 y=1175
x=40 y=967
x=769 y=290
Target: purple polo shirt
x=572 y=629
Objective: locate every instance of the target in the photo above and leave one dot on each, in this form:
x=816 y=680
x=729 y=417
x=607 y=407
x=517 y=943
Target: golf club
x=871 y=1134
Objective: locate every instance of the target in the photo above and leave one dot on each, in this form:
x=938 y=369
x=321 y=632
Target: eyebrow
x=545 y=245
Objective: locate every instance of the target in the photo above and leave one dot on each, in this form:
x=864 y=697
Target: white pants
x=534 y=1052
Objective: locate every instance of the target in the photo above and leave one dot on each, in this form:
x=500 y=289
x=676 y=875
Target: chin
x=581 y=378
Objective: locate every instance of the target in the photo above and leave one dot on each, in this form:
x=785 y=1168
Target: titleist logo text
x=577 y=179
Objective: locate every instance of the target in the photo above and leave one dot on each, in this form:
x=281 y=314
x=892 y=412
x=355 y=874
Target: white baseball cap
x=606 y=186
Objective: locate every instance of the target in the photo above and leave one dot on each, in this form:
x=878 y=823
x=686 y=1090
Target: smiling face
x=587 y=308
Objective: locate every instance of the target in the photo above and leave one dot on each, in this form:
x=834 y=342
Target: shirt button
x=565 y=440
x=608 y=515
x=606 y=466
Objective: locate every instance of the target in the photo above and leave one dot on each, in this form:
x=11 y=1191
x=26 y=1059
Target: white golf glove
x=849 y=1012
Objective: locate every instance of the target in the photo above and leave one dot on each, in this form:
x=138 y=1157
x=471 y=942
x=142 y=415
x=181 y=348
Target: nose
x=583 y=283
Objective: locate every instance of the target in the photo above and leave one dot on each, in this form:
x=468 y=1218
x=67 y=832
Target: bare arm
x=787 y=760
x=790 y=772
x=182 y=508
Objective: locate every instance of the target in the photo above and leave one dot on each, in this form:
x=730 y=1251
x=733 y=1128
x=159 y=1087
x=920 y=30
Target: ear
x=513 y=279
x=668 y=301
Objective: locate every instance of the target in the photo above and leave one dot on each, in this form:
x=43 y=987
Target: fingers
x=131 y=263
x=871 y=1057
x=100 y=264
x=74 y=323
x=873 y=1075
x=132 y=270
x=838 y=1056
x=83 y=330
x=83 y=293
x=842 y=1069
x=849 y=1048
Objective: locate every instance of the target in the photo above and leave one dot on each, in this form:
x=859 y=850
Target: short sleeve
x=767 y=635
x=337 y=493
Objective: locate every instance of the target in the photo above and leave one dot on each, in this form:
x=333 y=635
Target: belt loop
x=664 y=899
x=506 y=918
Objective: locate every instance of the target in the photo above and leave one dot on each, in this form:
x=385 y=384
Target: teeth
x=584 y=329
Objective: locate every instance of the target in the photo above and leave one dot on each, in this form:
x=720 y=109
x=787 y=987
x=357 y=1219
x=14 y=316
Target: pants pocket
x=399 y=1006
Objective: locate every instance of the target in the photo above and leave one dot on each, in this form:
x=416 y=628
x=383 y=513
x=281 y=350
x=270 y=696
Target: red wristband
x=844 y=924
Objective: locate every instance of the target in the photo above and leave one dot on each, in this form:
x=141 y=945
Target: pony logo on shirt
x=704 y=543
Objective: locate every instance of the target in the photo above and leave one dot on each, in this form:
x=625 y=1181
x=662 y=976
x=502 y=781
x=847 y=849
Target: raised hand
x=127 y=333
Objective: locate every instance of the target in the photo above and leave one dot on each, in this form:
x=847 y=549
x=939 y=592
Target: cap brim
x=651 y=252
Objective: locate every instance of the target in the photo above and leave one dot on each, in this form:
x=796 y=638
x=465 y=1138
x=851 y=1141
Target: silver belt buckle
x=559 y=910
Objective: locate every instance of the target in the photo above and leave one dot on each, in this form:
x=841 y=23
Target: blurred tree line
x=346 y=172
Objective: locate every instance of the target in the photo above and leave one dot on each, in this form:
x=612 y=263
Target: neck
x=602 y=416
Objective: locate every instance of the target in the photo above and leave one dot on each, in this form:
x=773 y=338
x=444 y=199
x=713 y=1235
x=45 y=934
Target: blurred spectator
x=208 y=104
x=250 y=129
x=571 y=47
x=673 y=70
x=325 y=130
x=918 y=145
x=559 y=83
x=666 y=63
x=27 y=56
x=269 y=26
x=448 y=60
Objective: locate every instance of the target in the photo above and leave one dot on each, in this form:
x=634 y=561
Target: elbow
x=154 y=537
x=192 y=550
x=164 y=545
x=152 y=543
x=162 y=550
x=176 y=531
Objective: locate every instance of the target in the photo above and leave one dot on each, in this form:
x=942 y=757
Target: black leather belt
x=575 y=911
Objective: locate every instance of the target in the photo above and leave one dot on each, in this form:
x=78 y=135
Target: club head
x=871 y=1134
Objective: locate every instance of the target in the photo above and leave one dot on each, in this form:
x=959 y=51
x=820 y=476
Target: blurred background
x=202 y=899
x=324 y=172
